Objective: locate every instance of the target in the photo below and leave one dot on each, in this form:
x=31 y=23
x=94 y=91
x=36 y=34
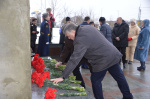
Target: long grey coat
x=91 y=44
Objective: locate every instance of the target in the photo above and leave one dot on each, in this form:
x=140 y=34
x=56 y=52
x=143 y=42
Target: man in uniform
x=43 y=48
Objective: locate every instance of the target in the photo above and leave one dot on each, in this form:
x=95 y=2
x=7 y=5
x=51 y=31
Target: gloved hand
x=47 y=42
x=129 y=39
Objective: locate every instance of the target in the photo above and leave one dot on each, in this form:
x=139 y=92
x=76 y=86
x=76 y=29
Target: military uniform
x=43 y=48
x=33 y=27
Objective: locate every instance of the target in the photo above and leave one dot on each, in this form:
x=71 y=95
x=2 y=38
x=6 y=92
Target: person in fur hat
x=132 y=40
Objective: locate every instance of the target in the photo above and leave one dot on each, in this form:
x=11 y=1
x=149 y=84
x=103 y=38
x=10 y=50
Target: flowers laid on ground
x=41 y=77
x=38 y=64
x=50 y=93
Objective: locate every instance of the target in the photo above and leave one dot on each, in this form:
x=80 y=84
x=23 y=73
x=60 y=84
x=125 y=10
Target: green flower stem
x=73 y=94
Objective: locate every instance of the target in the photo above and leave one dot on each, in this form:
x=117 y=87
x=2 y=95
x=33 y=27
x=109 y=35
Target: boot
x=142 y=67
x=124 y=65
x=126 y=61
x=130 y=62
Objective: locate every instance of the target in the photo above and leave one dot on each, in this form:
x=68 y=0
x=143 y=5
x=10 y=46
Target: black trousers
x=77 y=73
x=33 y=45
x=123 y=52
x=50 y=36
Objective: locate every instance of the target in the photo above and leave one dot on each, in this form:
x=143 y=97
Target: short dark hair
x=68 y=19
x=91 y=22
x=102 y=19
x=34 y=19
x=86 y=18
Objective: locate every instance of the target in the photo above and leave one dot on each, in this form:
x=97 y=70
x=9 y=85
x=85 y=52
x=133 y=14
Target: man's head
x=119 y=20
x=70 y=30
x=101 y=20
x=133 y=22
x=92 y=23
x=68 y=20
x=48 y=10
x=34 y=21
x=46 y=16
x=87 y=19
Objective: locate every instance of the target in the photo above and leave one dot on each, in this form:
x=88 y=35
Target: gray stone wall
x=15 y=68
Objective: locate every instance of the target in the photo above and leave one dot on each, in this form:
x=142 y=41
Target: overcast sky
x=110 y=9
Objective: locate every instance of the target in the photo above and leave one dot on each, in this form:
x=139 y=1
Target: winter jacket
x=120 y=31
x=92 y=45
x=133 y=33
x=143 y=42
x=106 y=31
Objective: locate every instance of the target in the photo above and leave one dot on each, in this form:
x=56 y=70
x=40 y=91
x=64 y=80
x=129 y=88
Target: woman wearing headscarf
x=132 y=40
x=142 y=48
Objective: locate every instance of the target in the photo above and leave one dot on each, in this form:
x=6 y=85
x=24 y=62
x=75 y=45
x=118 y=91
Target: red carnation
x=50 y=93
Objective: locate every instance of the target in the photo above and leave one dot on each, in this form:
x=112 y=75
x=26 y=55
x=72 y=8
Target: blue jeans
x=117 y=74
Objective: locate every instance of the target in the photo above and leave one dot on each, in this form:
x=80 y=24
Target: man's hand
x=33 y=31
x=58 y=64
x=57 y=80
x=117 y=38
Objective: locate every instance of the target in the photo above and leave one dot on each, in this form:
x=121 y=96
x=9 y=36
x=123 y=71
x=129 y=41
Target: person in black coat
x=86 y=21
x=62 y=36
x=120 y=37
x=105 y=29
x=34 y=32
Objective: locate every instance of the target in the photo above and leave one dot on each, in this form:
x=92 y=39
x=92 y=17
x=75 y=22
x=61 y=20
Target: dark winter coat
x=120 y=31
x=43 y=48
x=106 y=31
x=84 y=23
x=33 y=27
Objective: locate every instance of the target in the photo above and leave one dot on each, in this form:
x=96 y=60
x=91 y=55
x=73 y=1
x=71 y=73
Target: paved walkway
x=139 y=82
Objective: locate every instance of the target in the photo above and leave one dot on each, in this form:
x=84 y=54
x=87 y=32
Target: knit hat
x=68 y=19
x=45 y=15
x=133 y=20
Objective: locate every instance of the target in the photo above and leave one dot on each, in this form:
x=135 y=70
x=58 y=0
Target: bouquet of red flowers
x=39 y=78
x=38 y=64
x=50 y=93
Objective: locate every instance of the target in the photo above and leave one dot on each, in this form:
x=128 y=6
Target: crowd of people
x=99 y=50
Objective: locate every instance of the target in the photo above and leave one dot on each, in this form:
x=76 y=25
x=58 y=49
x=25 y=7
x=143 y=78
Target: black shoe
x=141 y=68
x=124 y=66
x=126 y=61
x=130 y=62
x=127 y=98
x=83 y=85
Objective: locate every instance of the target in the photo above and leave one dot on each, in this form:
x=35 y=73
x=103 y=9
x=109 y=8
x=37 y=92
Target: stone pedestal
x=15 y=68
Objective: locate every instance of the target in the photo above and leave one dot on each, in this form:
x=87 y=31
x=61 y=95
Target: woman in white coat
x=132 y=41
